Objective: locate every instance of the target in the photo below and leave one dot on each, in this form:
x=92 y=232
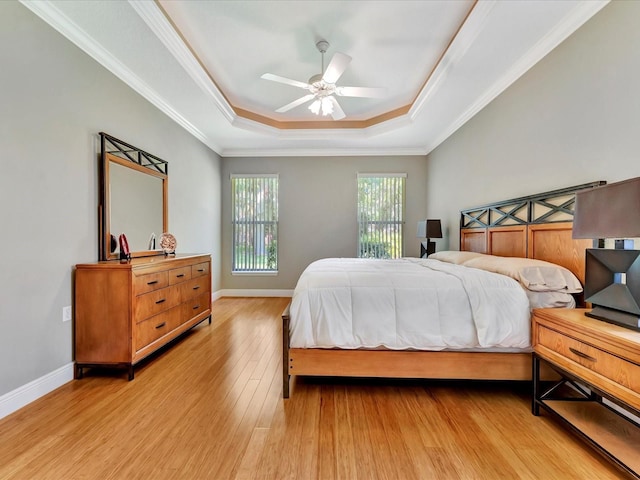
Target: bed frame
x=536 y=226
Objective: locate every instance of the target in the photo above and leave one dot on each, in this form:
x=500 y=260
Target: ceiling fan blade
x=337 y=113
x=367 y=92
x=295 y=103
x=286 y=81
x=336 y=67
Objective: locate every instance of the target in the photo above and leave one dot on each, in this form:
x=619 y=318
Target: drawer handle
x=153 y=282
x=161 y=325
x=201 y=269
x=162 y=300
x=181 y=275
x=582 y=355
x=196 y=307
x=196 y=287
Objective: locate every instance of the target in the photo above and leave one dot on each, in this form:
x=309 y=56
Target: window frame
x=235 y=222
x=400 y=211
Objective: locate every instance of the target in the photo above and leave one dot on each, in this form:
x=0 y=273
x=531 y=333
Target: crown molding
x=324 y=133
x=157 y=20
x=469 y=30
x=297 y=133
x=570 y=23
x=324 y=152
x=48 y=12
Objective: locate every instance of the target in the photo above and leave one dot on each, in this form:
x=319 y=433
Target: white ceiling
x=200 y=62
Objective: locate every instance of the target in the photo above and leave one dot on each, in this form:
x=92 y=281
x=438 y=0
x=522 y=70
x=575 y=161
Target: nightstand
x=599 y=366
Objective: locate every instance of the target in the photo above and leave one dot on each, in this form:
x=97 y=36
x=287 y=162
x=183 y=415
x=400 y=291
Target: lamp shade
x=609 y=211
x=422 y=229
x=434 y=229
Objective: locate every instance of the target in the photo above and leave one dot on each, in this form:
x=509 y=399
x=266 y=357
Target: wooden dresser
x=125 y=311
x=600 y=368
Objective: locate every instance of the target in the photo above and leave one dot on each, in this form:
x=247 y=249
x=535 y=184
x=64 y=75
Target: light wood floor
x=211 y=407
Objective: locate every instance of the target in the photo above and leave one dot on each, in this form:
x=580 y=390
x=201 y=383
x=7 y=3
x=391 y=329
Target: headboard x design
x=536 y=226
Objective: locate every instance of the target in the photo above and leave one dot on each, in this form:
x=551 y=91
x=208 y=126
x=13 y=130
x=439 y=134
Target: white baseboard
x=24 y=395
x=251 y=293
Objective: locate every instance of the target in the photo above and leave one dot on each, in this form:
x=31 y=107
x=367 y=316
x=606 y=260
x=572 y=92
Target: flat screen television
x=612 y=286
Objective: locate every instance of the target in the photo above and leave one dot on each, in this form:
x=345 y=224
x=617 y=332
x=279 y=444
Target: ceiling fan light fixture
x=327 y=106
x=324 y=105
x=315 y=107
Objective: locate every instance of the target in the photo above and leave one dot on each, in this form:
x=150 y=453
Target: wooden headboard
x=537 y=226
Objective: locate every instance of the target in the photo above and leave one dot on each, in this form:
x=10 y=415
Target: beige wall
x=317 y=208
x=571 y=119
x=54 y=102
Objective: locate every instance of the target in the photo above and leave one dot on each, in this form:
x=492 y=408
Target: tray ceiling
x=200 y=62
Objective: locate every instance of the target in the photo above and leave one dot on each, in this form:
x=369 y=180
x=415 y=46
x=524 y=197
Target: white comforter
x=407 y=303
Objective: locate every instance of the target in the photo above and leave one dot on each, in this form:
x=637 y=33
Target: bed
x=536 y=227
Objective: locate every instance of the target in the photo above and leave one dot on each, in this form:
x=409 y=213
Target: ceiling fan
x=322 y=86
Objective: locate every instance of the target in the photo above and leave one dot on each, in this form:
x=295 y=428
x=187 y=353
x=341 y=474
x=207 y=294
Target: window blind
x=255 y=223
x=381 y=215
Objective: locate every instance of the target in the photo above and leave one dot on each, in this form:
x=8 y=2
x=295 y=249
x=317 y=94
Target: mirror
x=133 y=201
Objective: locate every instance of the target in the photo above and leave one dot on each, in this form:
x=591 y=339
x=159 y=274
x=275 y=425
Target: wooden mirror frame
x=117 y=151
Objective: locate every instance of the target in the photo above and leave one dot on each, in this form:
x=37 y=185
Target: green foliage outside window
x=380 y=216
x=255 y=223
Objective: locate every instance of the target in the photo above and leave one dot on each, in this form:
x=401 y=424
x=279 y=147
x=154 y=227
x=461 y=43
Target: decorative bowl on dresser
x=600 y=368
x=124 y=311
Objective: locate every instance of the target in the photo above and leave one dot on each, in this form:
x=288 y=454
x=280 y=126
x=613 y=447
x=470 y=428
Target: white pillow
x=535 y=275
x=452 y=256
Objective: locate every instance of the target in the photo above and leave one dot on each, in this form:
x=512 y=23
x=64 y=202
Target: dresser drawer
x=610 y=366
x=196 y=306
x=155 y=302
x=194 y=287
x=149 y=282
x=178 y=275
x=200 y=269
x=156 y=327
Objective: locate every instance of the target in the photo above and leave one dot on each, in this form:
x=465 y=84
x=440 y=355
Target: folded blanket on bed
x=406 y=303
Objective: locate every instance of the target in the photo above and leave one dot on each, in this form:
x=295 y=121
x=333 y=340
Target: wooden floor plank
x=211 y=407
x=249 y=461
x=344 y=442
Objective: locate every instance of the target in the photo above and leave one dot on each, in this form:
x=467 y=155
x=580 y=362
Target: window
x=380 y=215
x=255 y=223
